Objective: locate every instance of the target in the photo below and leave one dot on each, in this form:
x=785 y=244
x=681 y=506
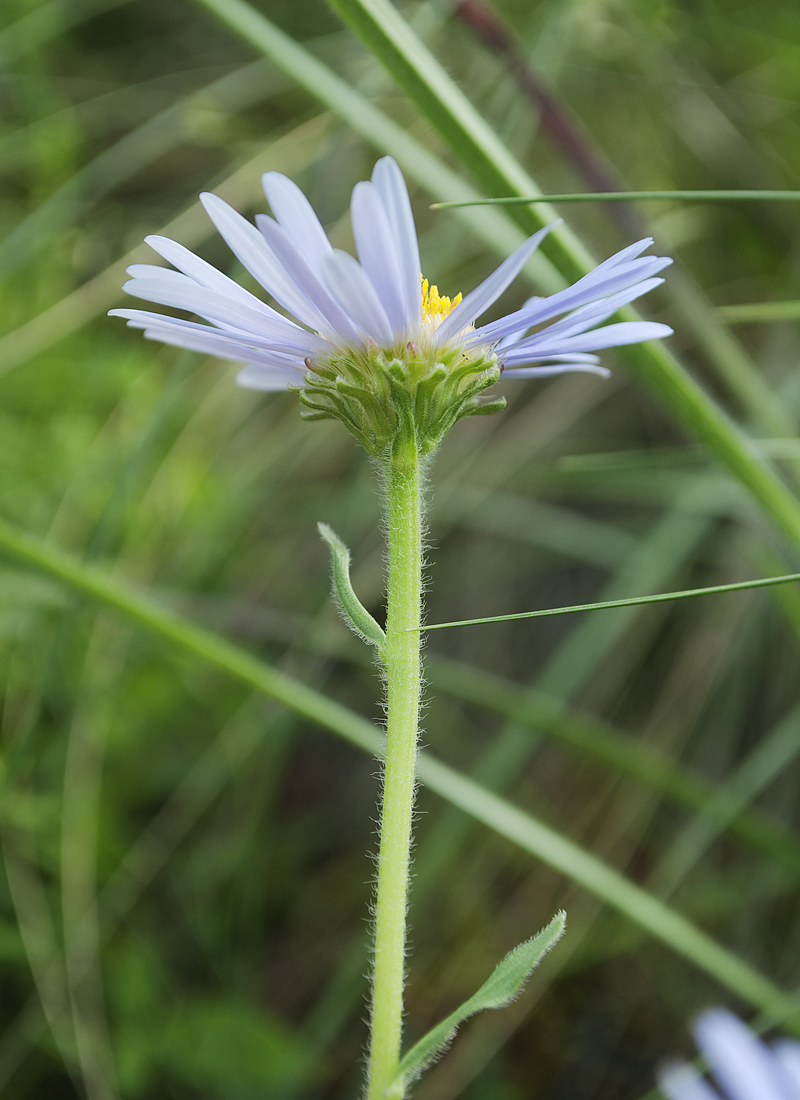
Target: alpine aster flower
x=365 y=341
x=743 y=1065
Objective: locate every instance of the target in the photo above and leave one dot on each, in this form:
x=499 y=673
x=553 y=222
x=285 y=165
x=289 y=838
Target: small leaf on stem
x=354 y=612
x=500 y=988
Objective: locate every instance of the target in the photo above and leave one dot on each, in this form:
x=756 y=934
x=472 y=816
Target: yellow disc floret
x=436 y=306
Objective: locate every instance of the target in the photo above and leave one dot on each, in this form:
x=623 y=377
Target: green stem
x=401 y=660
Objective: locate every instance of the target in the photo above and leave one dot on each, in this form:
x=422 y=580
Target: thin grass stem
x=633 y=601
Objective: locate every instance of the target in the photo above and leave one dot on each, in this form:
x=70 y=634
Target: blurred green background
x=185 y=891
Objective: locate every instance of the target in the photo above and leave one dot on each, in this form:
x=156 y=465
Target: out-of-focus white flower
x=744 y=1067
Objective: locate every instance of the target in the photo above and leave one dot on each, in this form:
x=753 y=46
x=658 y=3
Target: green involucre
x=380 y=395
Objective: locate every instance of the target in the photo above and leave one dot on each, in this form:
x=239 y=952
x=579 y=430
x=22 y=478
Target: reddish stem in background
x=558 y=122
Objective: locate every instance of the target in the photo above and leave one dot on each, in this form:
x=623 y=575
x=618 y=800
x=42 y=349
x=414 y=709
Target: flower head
x=363 y=340
x=743 y=1065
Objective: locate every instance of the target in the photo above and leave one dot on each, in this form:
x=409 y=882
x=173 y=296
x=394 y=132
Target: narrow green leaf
x=502 y=986
x=633 y=601
x=630 y=196
x=352 y=609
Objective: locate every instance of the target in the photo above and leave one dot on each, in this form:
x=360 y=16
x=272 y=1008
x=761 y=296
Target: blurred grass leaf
x=231 y=1050
x=558 y=851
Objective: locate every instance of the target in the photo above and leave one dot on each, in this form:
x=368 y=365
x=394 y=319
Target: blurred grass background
x=185 y=889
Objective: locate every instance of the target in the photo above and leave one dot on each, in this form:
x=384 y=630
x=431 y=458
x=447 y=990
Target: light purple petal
x=352 y=289
x=295 y=213
x=547 y=369
x=595 y=313
x=198 y=270
x=391 y=186
x=788 y=1054
x=141 y=318
x=182 y=332
x=743 y=1065
x=217 y=308
x=309 y=282
x=250 y=248
x=479 y=300
x=224 y=286
x=681 y=1081
x=586 y=290
x=156 y=271
x=518 y=333
x=598 y=312
x=212 y=342
x=611 y=336
x=630 y=252
x=577 y=358
x=377 y=251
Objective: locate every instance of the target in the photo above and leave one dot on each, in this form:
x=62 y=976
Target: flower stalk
x=371 y=343
x=403 y=474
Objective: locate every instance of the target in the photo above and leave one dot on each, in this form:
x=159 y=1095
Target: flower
x=743 y=1065
x=360 y=328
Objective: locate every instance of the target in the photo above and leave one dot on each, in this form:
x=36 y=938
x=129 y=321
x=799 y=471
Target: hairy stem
x=401 y=659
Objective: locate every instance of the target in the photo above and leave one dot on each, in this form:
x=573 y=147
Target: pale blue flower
x=744 y=1067
x=335 y=302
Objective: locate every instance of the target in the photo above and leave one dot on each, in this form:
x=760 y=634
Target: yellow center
x=436 y=306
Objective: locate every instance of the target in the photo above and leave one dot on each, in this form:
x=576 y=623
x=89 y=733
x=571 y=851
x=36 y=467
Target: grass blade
x=608 y=884
x=633 y=601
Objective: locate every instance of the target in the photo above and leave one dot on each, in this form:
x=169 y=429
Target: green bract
x=380 y=397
